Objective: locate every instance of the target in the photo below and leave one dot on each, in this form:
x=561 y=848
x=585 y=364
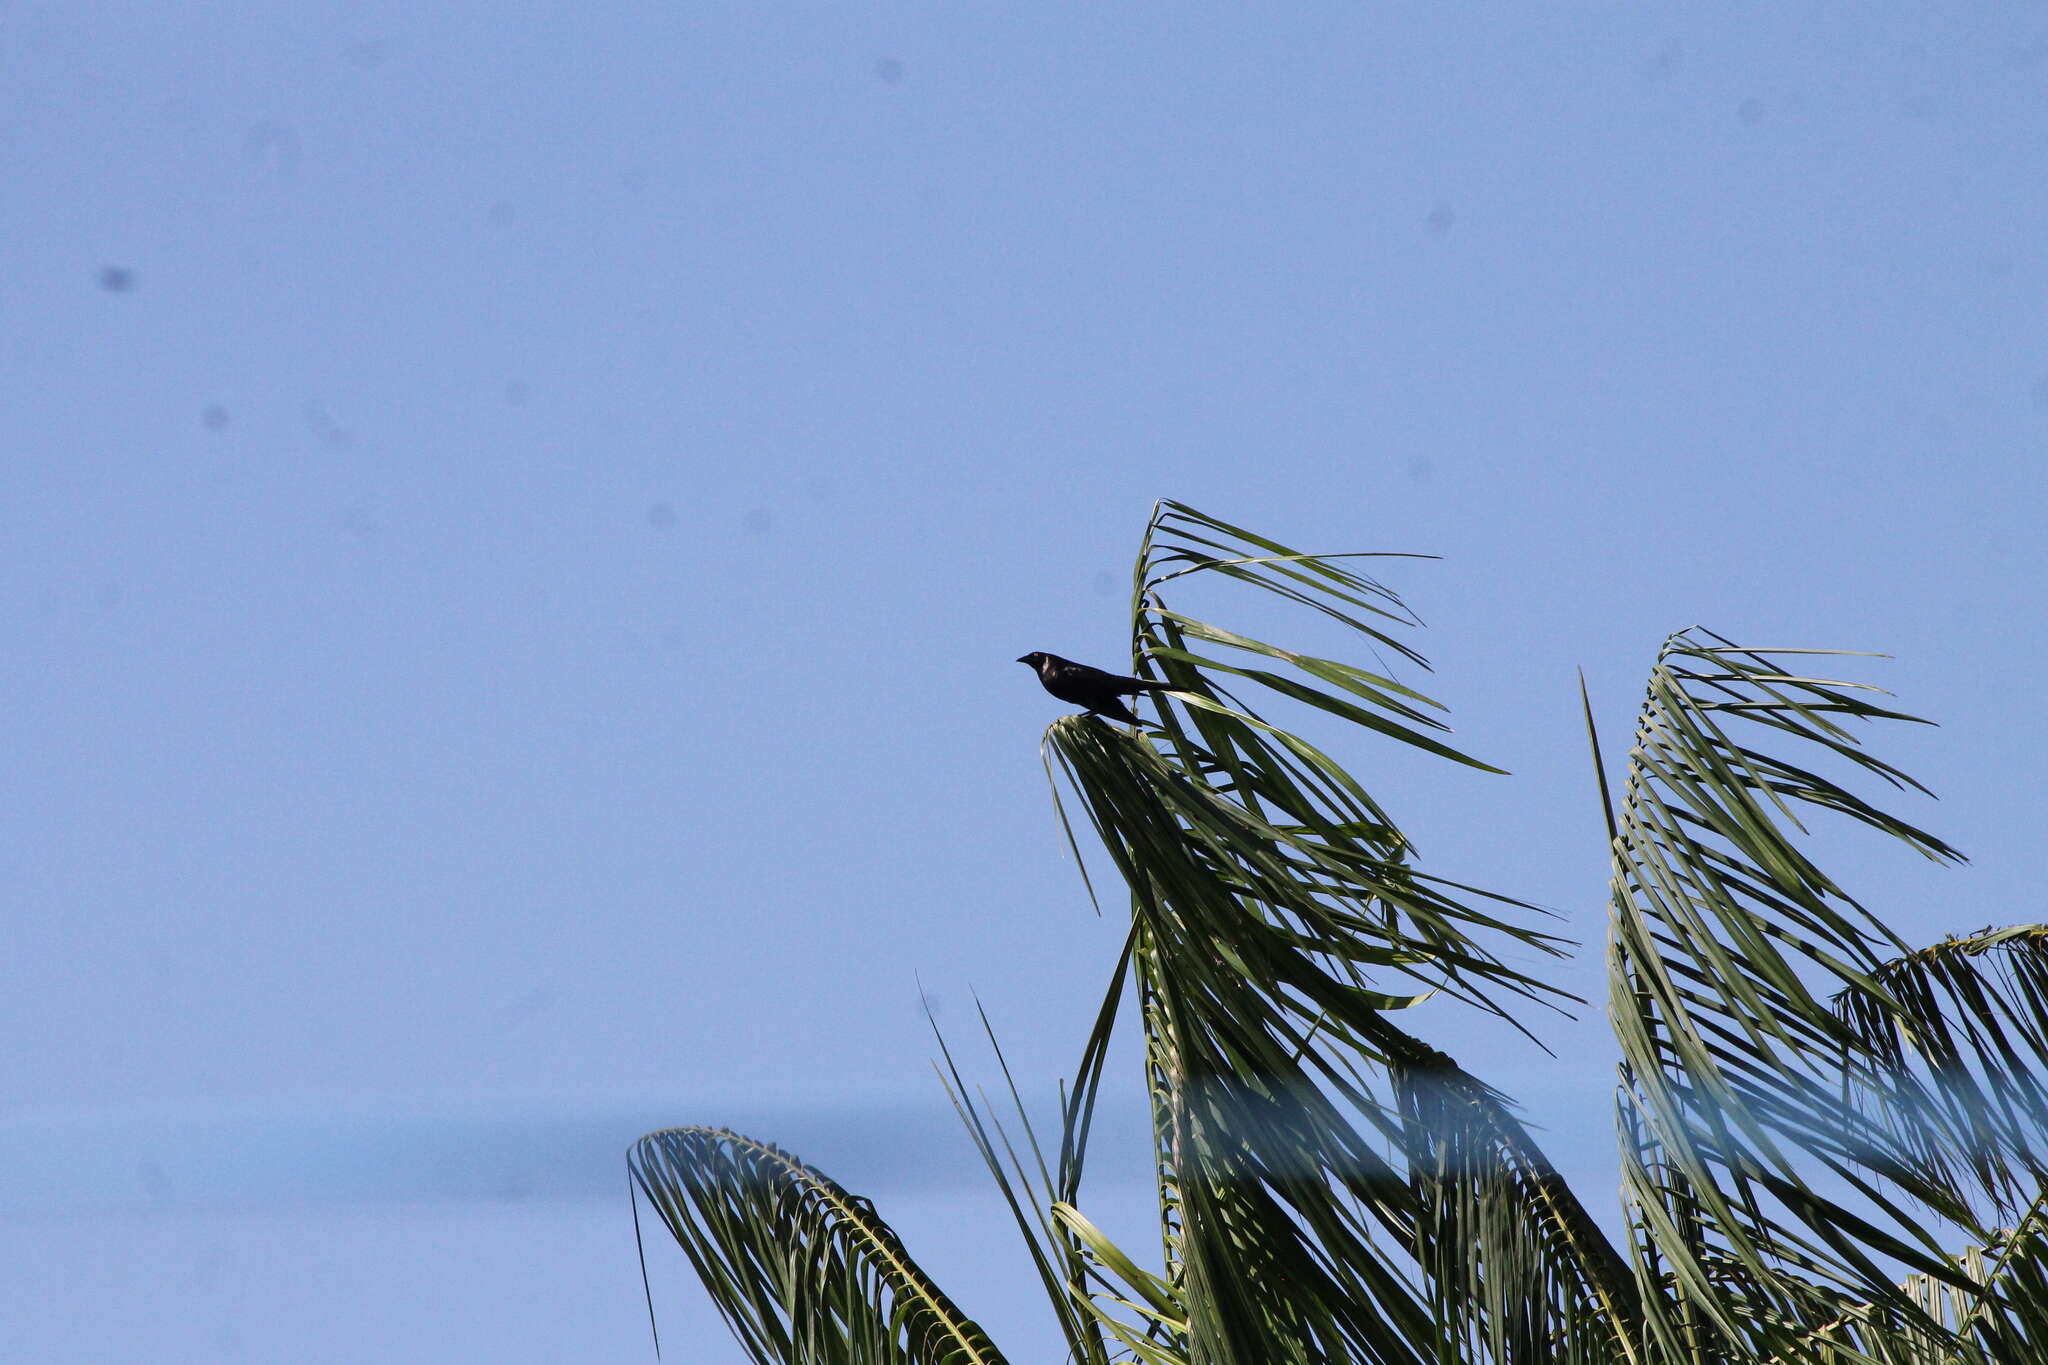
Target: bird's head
x=1034 y=658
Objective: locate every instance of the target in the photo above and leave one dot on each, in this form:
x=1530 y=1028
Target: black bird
x=1089 y=687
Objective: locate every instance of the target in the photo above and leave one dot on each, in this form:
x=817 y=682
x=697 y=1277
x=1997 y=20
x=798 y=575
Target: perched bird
x=1089 y=687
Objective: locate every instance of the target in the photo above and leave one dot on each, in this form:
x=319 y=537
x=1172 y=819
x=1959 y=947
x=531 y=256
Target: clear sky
x=517 y=522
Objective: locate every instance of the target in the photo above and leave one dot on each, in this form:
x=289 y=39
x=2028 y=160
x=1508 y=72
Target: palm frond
x=1032 y=1188
x=1995 y=1315
x=1960 y=1029
x=804 y=1272
x=1734 y=1065
x=1318 y=1164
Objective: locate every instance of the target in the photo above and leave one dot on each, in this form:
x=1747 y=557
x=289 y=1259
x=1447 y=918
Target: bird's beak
x=1023 y=658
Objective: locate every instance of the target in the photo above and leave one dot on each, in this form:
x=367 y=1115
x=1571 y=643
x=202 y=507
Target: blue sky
x=517 y=524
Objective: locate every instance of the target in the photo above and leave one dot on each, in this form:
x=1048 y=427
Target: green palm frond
x=1993 y=1318
x=1144 y=1312
x=1967 y=1020
x=805 y=1273
x=1317 y=1163
x=1736 y=1071
x=1263 y=807
x=1035 y=1188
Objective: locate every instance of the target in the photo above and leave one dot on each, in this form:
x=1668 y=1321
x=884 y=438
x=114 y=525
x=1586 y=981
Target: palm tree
x=1832 y=1144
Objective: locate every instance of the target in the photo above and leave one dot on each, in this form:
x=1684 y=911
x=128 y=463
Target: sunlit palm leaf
x=1151 y=1324
x=805 y=1273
